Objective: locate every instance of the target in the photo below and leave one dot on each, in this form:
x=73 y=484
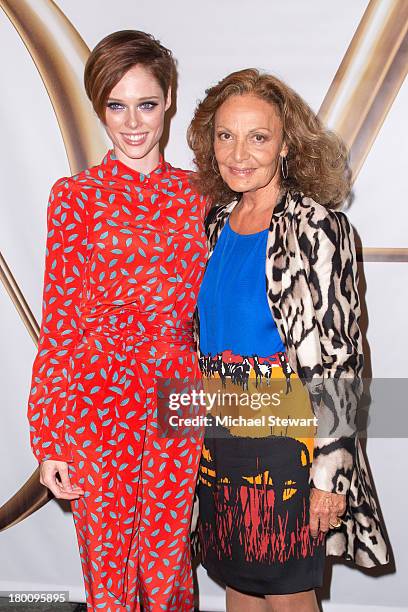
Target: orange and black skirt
x=253 y=484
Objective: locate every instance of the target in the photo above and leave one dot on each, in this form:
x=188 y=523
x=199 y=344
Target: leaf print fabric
x=61 y=322
x=125 y=257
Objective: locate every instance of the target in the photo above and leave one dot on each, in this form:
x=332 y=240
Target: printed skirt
x=253 y=484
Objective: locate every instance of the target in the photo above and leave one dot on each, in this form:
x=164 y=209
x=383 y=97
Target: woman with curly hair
x=278 y=302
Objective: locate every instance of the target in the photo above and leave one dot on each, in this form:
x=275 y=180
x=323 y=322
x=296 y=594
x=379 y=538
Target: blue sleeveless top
x=232 y=303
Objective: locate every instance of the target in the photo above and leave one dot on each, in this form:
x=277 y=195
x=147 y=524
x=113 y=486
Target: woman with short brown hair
x=278 y=302
x=124 y=261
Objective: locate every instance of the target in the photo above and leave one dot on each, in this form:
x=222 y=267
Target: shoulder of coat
x=308 y=211
x=217 y=212
x=308 y=207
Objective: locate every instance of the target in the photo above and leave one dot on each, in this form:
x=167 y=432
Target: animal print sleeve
x=333 y=277
x=333 y=280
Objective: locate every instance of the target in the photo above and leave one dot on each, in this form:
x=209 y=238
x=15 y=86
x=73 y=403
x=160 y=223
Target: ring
x=339 y=522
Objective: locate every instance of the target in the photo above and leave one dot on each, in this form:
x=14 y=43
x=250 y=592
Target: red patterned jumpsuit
x=125 y=256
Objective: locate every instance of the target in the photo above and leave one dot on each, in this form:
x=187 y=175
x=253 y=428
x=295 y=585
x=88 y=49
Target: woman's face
x=135 y=117
x=248 y=141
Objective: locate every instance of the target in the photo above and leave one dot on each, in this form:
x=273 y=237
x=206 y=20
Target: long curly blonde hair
x=317 y=158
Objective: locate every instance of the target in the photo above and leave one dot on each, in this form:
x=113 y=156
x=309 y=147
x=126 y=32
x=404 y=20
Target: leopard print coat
x=311 y=284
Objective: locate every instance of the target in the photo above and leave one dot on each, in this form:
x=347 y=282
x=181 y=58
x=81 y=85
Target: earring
x=284 y=166
x=216 y=170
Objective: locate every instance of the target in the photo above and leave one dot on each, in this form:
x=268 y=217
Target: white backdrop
x=301 y=42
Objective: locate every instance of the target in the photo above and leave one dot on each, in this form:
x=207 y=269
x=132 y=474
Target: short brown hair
x=115 y=54
x=317 y=158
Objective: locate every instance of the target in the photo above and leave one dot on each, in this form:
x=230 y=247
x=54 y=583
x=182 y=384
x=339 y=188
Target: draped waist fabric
x=149 y=335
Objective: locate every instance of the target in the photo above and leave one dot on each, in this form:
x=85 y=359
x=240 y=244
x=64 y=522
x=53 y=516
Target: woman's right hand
x=325 y=510
x=61 y=488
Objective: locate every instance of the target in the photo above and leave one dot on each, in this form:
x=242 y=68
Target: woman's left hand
x=325 y=510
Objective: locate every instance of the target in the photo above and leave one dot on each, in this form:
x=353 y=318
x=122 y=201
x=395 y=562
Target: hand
x=325 y=509
x=61 y=488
